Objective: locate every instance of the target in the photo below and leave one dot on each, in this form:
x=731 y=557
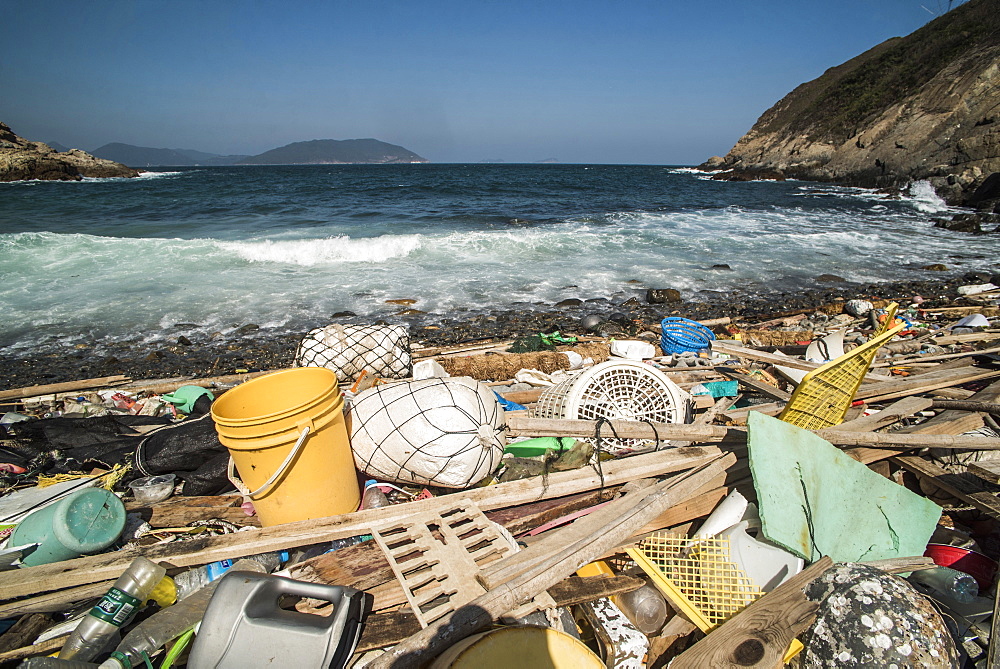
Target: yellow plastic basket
x=825 y=394
x=699 y=579
x=697 y=576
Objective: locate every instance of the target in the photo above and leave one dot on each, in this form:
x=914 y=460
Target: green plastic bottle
x=118 y=606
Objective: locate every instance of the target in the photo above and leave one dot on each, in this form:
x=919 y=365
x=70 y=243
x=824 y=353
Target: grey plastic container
x=245 y=627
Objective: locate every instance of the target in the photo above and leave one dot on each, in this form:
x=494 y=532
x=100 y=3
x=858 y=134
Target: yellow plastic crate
x=699 y=579
x=697 y=576
x=825 y=394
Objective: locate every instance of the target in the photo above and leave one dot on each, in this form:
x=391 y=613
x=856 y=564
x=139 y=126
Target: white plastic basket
x=616 y=390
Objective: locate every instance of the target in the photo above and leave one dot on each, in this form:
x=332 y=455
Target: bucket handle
x=276 y=475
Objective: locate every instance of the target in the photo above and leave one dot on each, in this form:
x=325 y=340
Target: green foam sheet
x=815 y=500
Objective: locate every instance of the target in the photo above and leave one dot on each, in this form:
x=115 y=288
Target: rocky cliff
x=925 y=106
x=21 y=159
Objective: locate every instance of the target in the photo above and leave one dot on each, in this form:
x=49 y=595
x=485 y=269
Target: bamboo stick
x=67 y=387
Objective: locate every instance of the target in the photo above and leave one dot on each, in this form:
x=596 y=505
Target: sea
x=206 y=250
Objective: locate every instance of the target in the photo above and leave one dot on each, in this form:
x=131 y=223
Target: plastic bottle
x=195 y=579
x=171 y=622
x=116 y=608
x=46 y=662
x=373 y=498
x=959 y=585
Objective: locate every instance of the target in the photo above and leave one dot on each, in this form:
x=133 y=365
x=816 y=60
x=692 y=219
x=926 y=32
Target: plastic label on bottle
x=116 y=607
x=217 y=569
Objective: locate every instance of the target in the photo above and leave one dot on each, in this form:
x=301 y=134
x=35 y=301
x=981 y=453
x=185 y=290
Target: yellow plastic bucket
x=286 y=434
x=504 y=647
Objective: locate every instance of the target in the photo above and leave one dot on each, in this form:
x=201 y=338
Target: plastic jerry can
x=244 y=626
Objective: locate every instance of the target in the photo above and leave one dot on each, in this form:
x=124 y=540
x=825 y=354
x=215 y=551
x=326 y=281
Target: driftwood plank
x=914 y=385
x=550 y=427
x=964 y=489
x=363 y=566
x=893 y=413
x=36 y=650
x=67 y=387
x=772 y=358
x=387 y=629
x=198 y=551
x=988 y=470
x=59 y=600
x=759 y=386
x=758 y=636
x=417 y=649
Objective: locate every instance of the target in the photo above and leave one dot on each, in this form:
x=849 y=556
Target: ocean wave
x=924 y=199
x=332 y=250
x=157 y=175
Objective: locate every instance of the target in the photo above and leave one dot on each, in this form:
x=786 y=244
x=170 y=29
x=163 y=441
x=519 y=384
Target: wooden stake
x=758 y=636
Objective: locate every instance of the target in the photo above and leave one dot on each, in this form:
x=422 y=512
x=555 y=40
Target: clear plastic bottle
x=373 y=497
x=195 y=579
x=956 y=584
x=55 y=663
x=171 y=622
x=116 y=608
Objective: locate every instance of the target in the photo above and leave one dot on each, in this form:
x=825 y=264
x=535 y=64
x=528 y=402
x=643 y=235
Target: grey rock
x=21 y=159
x=662 y=295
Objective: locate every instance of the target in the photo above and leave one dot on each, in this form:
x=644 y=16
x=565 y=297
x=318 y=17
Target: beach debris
x=349 y=350
x=444 y=432
x=815 y=500
x=916 y=430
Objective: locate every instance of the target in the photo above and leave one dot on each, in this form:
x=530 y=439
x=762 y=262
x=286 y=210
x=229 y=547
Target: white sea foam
x=310 y=252
x=157 y=175
x=923 y=198
x=286 y=272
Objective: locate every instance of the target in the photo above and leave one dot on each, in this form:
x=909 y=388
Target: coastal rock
x=830 y=278
x=921 y=107
x=987 y=196
x=662 y=295
x=21 y=159
x=750 y=175
x=570 y=302
x=936 y=267
x=959 y=225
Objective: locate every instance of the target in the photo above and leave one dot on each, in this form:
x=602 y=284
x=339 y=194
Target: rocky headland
x=921 y=107
x=21 y=159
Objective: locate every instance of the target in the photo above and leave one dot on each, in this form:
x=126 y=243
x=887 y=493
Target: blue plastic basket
x=681 y=335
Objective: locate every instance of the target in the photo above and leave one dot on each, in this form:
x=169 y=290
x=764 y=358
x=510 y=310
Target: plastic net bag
x=348 y=350
x=446 y=432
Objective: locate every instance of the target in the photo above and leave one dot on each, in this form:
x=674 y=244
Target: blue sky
x=620 y=81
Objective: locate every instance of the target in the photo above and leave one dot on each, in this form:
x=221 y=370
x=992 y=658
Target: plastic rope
x=183 y=641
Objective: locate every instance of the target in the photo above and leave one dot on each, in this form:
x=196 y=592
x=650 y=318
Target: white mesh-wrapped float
x=616 y=390
x=382 y=350
x=444 y=432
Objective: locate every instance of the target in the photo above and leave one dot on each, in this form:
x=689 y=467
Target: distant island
x=144 y=156
x=315 y=152
x=334 y=152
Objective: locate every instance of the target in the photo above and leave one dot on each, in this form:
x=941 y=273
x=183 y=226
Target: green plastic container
x=529 y=448
x=184 y=398
x=86 y=521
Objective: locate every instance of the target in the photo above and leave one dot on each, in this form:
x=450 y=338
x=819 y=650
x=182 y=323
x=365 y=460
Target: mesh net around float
x=444 y=432
x=348 y=350
x=616 y=390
